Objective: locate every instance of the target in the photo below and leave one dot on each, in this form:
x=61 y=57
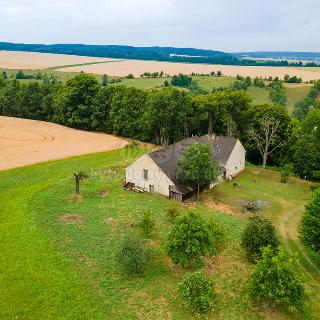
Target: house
x=158 y=170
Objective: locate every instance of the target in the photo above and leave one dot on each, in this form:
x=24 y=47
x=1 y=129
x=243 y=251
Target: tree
x=127 y=111
x=188 y=241
x=102 y=103
x=269 y=129
x=258 y=82
x=78 y=177
x=4 y=75
x=105 y=80
x=277 y=92
x=197 y=292
x=275 y=278
x=166 y=116
x=286 y=172
x=73 y=102
x=181 y=80
x=166 y=83
x=196 y=167
x=20 y=75
x=258 y=234
x=310 y=223
x=307 y=147
x=146 y=224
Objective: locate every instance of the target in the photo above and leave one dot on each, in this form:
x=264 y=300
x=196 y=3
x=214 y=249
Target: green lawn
x=58 y=250
x=295 y=93
x=259 y=95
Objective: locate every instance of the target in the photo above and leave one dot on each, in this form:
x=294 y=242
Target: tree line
x=167 y=115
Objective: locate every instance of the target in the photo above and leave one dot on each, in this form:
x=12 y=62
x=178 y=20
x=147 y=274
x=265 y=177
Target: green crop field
x=58 y=250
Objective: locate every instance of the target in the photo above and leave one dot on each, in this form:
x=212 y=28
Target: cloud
x=229 y=25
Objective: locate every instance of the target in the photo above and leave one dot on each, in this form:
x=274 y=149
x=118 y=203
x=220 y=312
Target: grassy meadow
x=58 y=250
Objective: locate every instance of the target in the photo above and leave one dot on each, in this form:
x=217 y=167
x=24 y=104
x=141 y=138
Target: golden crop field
x=121 y=67
x=137 y=67
x=24 y=142
x=36 y=60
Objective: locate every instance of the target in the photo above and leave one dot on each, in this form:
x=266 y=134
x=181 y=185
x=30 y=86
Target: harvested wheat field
x=36 y=60
x=24 y=142
x=137 y=67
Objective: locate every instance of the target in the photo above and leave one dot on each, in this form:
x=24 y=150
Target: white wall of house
x=237 y=160
x=156 y=177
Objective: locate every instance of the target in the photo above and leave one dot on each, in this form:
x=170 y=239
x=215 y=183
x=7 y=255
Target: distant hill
x=281 y=55
x=129 y=52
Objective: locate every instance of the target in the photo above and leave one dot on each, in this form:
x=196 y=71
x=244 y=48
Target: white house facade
x=158 y=170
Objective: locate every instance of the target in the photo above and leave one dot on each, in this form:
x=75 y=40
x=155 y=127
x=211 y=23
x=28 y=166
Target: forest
x=165 y=115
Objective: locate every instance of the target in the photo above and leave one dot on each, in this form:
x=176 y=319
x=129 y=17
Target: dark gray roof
x=167 y=158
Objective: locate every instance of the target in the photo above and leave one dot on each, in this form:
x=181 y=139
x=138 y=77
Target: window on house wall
x=151 y=188
x=145 y=174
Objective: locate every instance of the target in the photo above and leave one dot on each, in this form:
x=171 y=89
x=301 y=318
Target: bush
x=286 y=172
x=275 y=278
x=188 y=241
x=310 y=223
x=258 y=234
x=172 y=213
x=217 y=236
x=133 y=256
x=146 y=224
x=197 y=292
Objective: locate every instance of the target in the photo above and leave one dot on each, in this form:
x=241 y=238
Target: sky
x=228 y=25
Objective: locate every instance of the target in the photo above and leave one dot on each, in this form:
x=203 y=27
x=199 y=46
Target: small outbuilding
x=158 y=171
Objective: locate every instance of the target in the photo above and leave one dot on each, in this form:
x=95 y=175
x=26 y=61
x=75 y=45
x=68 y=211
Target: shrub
x=310 y=223
x=286 y=172
x=188 y=241
x=172 y=213
x=314 y=187
x=217 y=236
x=275 y=278
x=258 y=234
x=146 y=224
x=133 y=256
x=197 y=292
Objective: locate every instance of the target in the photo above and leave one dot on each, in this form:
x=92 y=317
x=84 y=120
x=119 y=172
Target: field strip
x=55 y=68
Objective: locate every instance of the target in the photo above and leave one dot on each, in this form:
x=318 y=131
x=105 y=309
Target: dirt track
x=24 y=142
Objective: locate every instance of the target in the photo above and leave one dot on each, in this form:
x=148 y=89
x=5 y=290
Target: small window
x=151 y=188
x=236 y=168
x=145 y=174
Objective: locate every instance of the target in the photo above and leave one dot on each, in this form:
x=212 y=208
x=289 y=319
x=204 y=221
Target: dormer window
x=145 y=174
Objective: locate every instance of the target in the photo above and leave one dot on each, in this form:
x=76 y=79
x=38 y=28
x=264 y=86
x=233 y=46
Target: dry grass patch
x=72 y=218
